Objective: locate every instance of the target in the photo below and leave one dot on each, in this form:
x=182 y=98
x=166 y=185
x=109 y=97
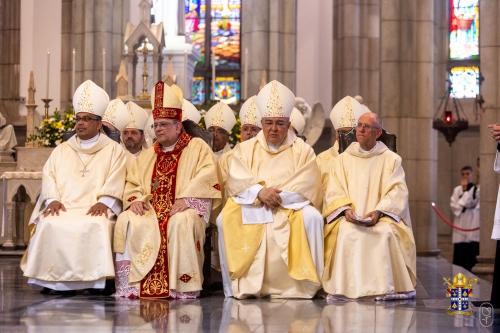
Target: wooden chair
x=346 y=137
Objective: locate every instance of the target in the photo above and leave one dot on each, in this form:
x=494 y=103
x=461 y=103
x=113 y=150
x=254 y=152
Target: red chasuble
x=155 y=283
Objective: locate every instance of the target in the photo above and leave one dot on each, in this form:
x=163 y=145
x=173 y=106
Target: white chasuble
x=368 y=261
x=73 y=250
x=265 y=253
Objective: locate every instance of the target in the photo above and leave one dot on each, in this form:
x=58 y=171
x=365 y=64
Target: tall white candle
x=187 y=86
x=213 y=74
x=245 y=75
x=48 y=76
x=104 y=68
x=73 y=72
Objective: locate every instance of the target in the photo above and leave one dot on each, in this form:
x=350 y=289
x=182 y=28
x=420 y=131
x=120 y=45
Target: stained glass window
x=198 y=91
x=227 y=89
x=464 y=81
x=464 y=29
x=225 y=29
x=195 y=24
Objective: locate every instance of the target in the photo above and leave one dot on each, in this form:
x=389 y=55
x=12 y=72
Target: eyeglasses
x=85 y=119
x=162 y=124
x=366 y=126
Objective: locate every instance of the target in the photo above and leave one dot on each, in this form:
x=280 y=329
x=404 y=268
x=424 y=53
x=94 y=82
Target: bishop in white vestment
x=82 y=186
x=270 y=231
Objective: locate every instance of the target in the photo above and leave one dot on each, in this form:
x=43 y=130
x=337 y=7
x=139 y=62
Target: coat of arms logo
x=459 y=290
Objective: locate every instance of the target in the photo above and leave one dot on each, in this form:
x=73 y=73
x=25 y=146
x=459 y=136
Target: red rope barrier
x=446 y=221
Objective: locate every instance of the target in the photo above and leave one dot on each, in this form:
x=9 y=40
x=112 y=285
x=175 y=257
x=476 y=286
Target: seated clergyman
x=168 y=196
x=270 y=231
x=369 y=244
x=82 y=186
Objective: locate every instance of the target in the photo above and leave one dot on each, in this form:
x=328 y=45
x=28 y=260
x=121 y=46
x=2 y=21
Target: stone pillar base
x=484 y=267
x=429 y=253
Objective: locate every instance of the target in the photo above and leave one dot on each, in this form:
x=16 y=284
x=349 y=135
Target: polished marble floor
x=23 y=309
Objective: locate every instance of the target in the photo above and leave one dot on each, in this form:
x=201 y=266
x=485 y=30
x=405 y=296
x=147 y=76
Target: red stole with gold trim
x=155 y=283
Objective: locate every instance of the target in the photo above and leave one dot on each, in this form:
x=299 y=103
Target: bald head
x=370 y=118
x=368 y=130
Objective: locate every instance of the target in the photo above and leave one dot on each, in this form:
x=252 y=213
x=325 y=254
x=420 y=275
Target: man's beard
x=130 y=144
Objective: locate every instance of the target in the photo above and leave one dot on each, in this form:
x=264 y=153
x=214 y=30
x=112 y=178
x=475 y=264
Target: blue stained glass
x=227 y=89
x=464 y=81
x=225 y=29
x=198 y=91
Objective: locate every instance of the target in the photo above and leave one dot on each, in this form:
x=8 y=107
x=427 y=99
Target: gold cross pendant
x=156 y=183
x=84 y=171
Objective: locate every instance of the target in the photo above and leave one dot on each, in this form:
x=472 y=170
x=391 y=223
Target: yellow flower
x=59 y=124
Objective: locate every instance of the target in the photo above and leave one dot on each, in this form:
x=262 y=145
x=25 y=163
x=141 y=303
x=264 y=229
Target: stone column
x=282 y=42
x=408 y=101
x=10 y=224
x=356 y=49
x=255 y=37
x=269 y=33
x=90 y=26
x=10 y=17
x=489 y=54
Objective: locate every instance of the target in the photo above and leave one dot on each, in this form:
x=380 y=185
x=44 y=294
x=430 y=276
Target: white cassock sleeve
x=112 y=203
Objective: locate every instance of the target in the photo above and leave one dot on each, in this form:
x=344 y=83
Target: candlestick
x=245 y=75
x=104 y=68
x=46 y=106
x=48 y=76
x=213 y=74
x=73 y=66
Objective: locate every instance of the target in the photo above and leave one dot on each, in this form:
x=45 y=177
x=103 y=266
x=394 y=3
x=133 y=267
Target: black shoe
x=46 y=291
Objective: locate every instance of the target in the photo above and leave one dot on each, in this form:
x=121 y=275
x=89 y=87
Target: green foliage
x=51 y=130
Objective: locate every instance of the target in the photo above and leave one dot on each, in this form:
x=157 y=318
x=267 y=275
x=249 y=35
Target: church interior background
x=402 y=57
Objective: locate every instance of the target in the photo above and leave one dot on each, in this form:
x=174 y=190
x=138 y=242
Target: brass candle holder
x=47 y=104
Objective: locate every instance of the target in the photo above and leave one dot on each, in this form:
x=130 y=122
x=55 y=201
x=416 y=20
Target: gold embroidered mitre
x=275 y=100
x=249 y=113
x=117 y=114
x=346 y=112
x=166 y=102
x=137 y=116
x=220 y=115
x=90 y=98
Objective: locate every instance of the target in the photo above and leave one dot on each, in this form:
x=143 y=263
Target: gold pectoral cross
x=156 y=183
x=84 y=171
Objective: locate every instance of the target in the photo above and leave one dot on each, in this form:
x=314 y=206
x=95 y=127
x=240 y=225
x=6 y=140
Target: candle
x=48 y=75
x=245 y=75
x=186 y=82
x=213 y=74
x=73 y=66
x=104 y=68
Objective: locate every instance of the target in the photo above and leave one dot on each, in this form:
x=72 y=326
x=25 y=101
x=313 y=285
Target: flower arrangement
x=50 y=131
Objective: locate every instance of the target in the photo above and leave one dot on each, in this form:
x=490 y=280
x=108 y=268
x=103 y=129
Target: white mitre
x=189 y=111
x=137 y=116
x=117 y=114
x=220 y=115
x=249 y=115
x=298 y=121
x=275 y=100
x=90 y=98
x=346 y=113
